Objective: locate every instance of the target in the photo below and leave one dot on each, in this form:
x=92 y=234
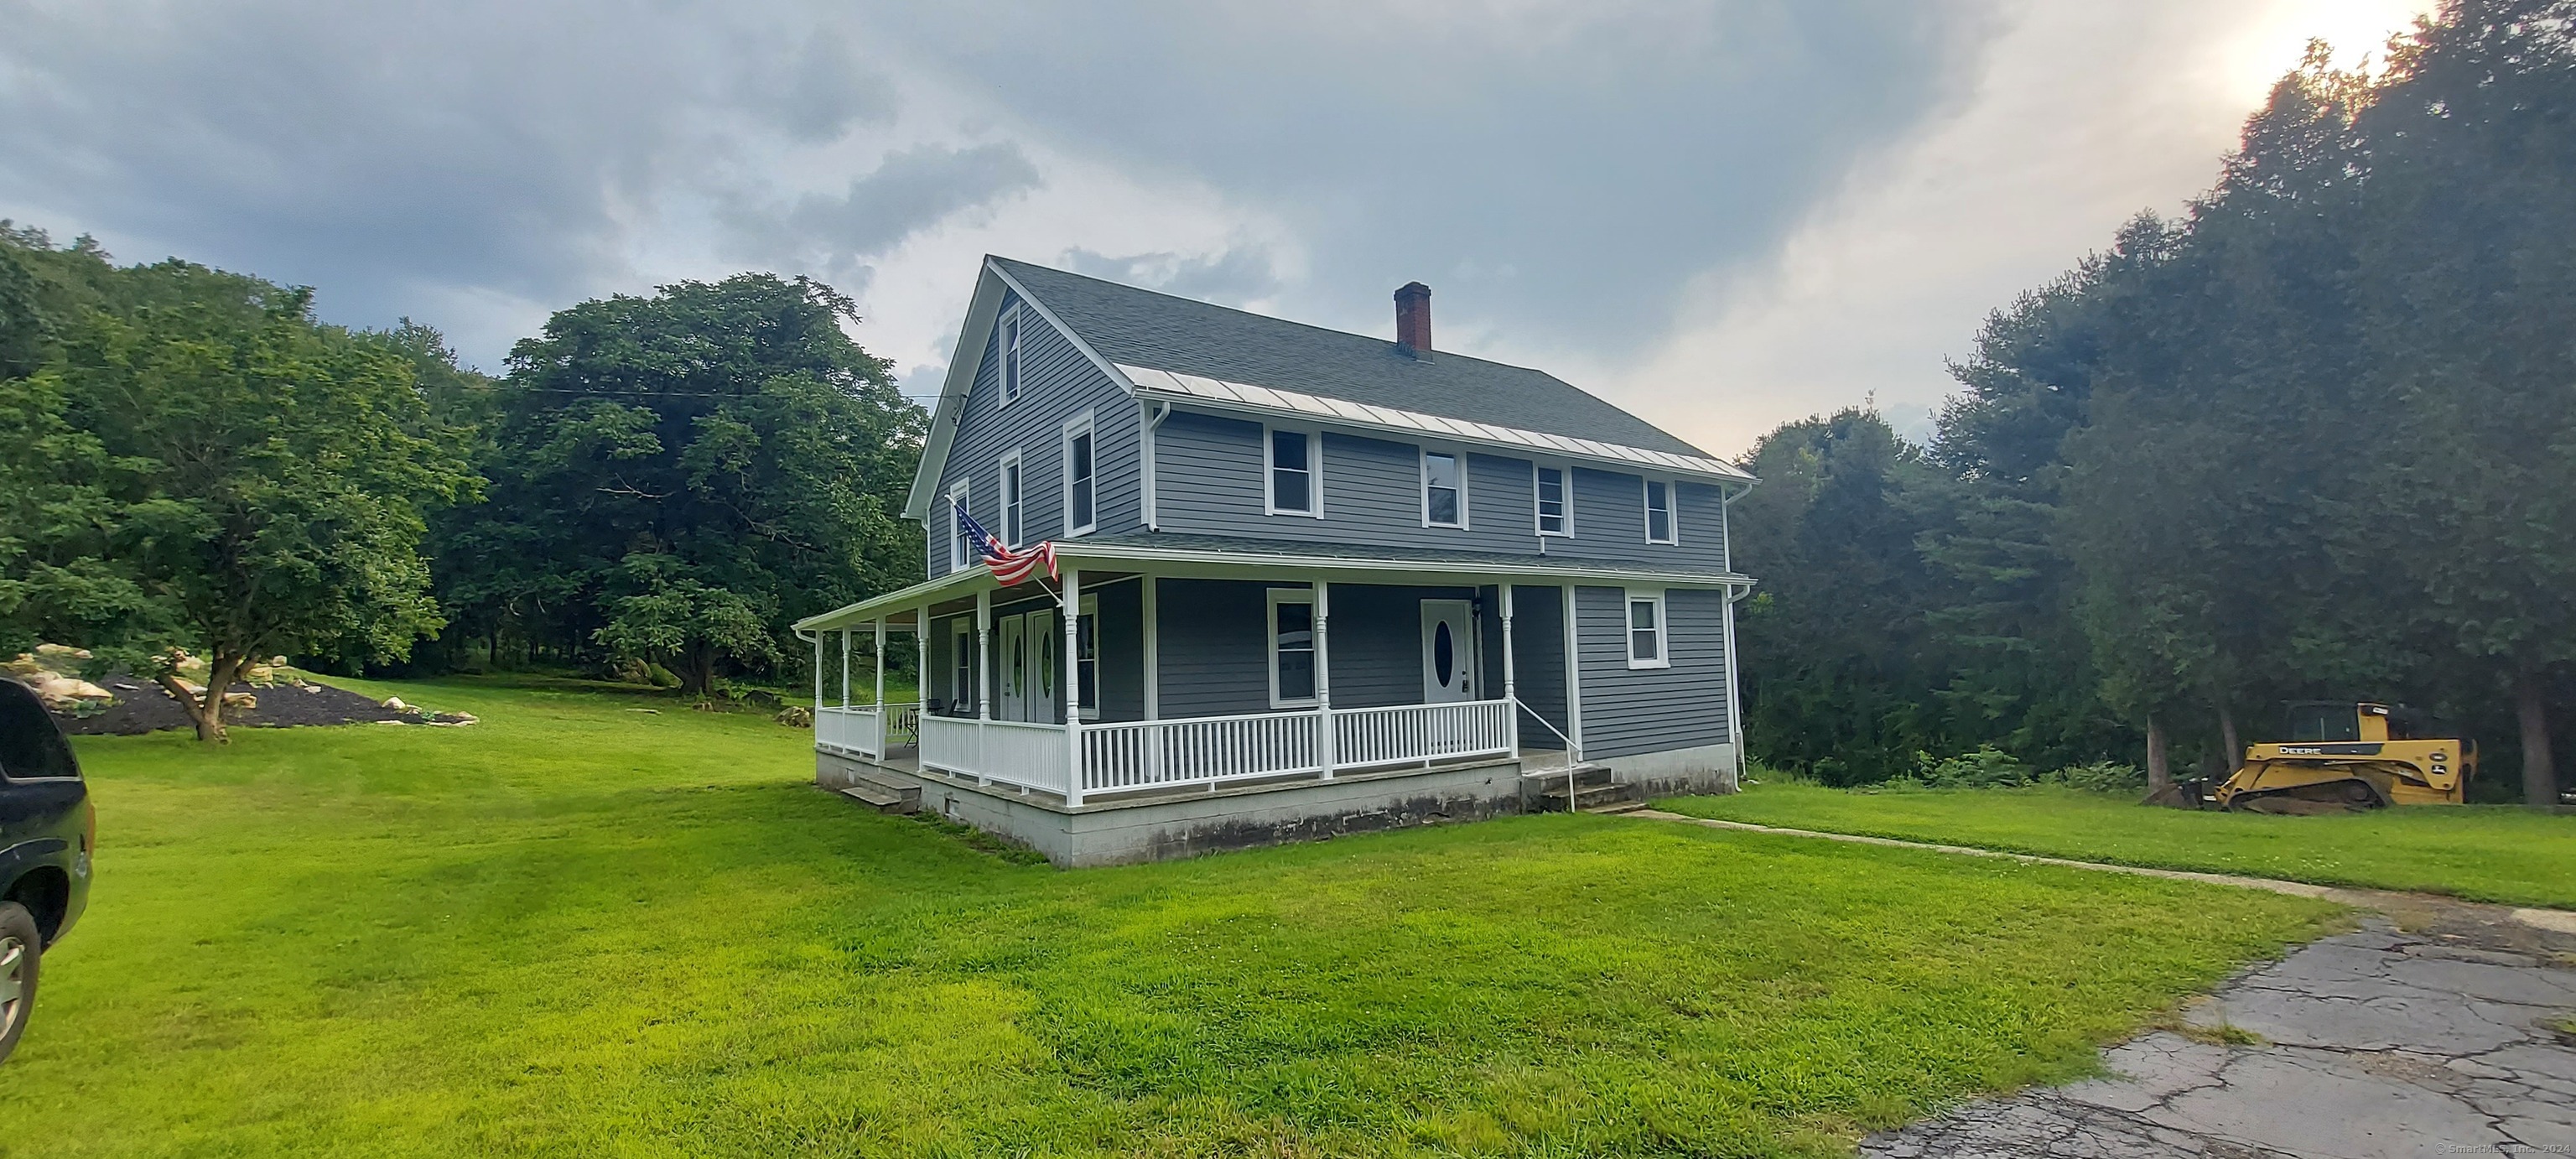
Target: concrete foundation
x=1165 y=826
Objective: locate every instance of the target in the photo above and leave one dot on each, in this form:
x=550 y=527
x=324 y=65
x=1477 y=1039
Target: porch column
x=845 y=667
x=880 y=684
x=1072 y=686
x=1511 y=694
x=818 y=677
x=1323 y=678
x=1153 y=650
x=1573 y=680
x=983 y=655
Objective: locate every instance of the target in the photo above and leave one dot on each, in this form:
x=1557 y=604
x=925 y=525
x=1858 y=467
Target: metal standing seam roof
x=1193 y=340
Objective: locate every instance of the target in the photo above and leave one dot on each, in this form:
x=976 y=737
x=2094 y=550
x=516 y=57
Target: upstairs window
x=1659 y=512
x=1551 y=502
x=1292 y=473
x=1292 y=647
x=1646 y=631
x=1011 y=354
x=1079 y=516
x=960 y=553
x=1444 y=495
x=1011 y=495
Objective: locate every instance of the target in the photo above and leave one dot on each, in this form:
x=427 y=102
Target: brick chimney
x=1413 y=319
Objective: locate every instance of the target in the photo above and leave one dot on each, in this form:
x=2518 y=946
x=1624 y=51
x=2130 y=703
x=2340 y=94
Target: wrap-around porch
x=1121 y=685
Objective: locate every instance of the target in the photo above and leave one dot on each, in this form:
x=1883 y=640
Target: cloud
x=912 y=190
x=1238 y=276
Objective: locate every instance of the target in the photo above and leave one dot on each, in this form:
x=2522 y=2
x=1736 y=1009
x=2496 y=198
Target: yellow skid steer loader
x=2343 y=756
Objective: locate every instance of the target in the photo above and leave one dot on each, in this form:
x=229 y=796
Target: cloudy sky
x=1720 y=215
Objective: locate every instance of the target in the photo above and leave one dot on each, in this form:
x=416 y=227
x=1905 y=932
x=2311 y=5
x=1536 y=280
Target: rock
x=796 y=716
x=58 y=653
x=240 y=700
x=465 y=718
x=396 y=703
x=277 y=661
x=62 y=692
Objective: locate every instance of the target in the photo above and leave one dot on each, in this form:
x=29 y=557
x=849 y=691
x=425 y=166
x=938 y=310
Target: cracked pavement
x=2431 y=1034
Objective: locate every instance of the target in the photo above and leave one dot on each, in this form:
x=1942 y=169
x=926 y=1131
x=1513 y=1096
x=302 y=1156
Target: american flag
x=1010 y=567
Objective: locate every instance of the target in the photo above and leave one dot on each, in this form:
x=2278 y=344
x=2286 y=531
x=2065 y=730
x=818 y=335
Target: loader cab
x=2325 y=721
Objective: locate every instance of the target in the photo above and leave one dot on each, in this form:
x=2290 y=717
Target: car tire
x=21 y=953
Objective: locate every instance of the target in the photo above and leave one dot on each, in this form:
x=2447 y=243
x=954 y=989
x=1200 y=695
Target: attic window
x=1444 y=495
x=1292 y=473
x=1011 y=354
x=1551 y=502
x=1659 y=512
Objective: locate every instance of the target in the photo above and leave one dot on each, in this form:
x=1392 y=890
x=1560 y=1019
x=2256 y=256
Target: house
x=1310 y=582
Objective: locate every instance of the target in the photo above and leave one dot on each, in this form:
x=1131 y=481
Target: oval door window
x=1443 y=653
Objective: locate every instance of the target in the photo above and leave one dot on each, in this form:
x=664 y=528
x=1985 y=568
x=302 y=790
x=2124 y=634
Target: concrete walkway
x=2433 y=1030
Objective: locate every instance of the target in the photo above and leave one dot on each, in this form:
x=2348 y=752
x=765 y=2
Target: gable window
x=1011 y=354
x=1086 y=658
x=1552 y=518
x=1291 y=461
x=1011 y=495
x=1079 y=516
x=960 y=553
x=1659 y=512
x=1646 y=644
x=1444 y=491
x=961 y=669
x=1292 y=647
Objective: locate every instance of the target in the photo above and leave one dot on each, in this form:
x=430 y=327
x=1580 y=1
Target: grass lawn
x=2498 y=853
x=580 y=929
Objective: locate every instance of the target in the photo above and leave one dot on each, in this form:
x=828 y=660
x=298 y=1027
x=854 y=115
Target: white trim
x=1153 y=648
x=1007 y=359
x=1081 y=424
x=1270 y=632
x=961 y=495
x=1012 y=475
x=1573 y=671
x=961 y=647
x=1663 y=657
x=1314 y=471
x=1422 y=464
x=1564 y=500
x=1148 y=421
x=1646 y=486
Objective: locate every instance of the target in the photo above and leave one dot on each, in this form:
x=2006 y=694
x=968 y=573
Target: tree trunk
x=2539 y=776
x=2227 y=737
x=206 y=711
x=2159 y=767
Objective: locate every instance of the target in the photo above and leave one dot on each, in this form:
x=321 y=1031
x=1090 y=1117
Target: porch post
x=1573 y=681
x=1072 y=686
x=1153 y=650
x=1323 y=677
x=845 y=667
x=818 y=678
x=1511 y=693
x=880 y=684
x=983 y=655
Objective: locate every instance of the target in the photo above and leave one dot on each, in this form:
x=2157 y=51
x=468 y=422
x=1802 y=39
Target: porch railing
x=1031 y=756
x=857 y=729
x=1215 y=750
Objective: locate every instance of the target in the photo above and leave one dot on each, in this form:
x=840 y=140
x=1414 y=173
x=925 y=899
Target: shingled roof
x=1134 y=327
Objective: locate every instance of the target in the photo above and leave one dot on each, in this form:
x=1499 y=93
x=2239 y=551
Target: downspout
x=1734 y=700
x=1153 y=512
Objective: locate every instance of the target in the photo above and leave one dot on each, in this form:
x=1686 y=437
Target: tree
x=238 y=479
x=715 y=448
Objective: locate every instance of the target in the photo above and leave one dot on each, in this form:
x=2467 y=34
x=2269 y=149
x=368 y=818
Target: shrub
x=1986 y=768
x=2102 y=777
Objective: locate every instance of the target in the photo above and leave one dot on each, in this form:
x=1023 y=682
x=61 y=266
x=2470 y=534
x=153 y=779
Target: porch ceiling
x=1214 y=556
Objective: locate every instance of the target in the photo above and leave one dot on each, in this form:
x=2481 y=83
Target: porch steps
x=1594 y=791
x=883 y=795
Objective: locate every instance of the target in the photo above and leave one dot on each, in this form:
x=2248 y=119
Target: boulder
x=396 y=703
x=796 y=716
x=61 y=692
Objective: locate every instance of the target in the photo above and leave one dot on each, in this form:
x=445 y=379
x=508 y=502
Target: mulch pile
x=142 y=706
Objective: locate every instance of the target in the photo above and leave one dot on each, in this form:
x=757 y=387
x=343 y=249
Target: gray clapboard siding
x=1057 y=382
x=1208 y=481
x=1376 y=645
x=1538 y=662
x=1630 y=711
x=1121 y=631
x=1214 y=646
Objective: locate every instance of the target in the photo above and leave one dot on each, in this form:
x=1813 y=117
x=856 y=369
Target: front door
x=1043 y=667
x=1448 y=651
x=1014 y=663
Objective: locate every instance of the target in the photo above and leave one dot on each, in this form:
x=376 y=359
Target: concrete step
x=908 y=794
x=1584 y=774
x=876 y=798
x=1597 y=797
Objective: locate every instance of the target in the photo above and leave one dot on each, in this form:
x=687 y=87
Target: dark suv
x=47 y=829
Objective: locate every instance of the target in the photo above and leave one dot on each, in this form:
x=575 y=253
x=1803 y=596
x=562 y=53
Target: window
x=960 y=553
x=1444 y=495
x=961 y=669
x=31 y=749
x=1551 y=502
x=1292 y=464
x=1011 y=522
x=1078 y=514
x=1086 y=657
x=1646 y=631
x=1292 y=647
x=1010 y=354
x=1659 y=512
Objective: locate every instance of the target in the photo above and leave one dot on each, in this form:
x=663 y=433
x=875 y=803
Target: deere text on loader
x=2343 y=756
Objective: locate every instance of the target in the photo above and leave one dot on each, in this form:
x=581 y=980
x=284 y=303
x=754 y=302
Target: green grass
x=579 y=929
x=2496 y=853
